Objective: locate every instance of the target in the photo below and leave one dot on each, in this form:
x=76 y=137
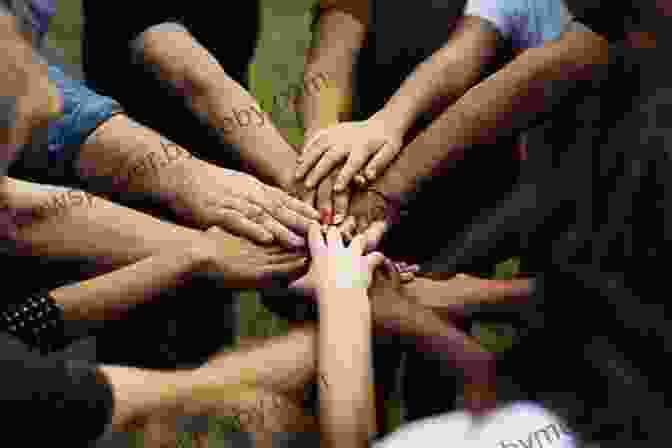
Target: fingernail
x=338 y=218
x=309 y=184
x=325 y=216
x=370 y=174
x=297 y=241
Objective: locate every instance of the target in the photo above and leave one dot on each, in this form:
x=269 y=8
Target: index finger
x=334 y=237
x=302 y=208
x=374 y=234
x=356 y=161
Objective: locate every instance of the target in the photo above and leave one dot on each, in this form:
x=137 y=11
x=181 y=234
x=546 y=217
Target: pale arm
x=344 y=360
x=509 y=101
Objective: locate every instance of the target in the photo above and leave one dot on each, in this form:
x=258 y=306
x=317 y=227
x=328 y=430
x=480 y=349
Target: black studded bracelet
x=37 y=321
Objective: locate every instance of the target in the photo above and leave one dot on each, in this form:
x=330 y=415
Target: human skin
x=27 y=95
x=177 y=59
x=511 y=100
x=197 y=192
x=106 y=236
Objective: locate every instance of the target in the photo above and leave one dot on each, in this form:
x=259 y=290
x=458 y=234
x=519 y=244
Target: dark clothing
x=175 y=331
x=606 y=234
x=182 y=328
x=472 y=184
x=109 y=29
x=49 y=400
x=469 y=188
x=445 y=205
x=596 y=222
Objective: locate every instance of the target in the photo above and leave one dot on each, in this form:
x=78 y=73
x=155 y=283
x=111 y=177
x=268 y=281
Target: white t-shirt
x=518 y=425
x=528 y=23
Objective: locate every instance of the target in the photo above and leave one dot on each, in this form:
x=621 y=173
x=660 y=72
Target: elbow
x=155 y=48
x=147 y=46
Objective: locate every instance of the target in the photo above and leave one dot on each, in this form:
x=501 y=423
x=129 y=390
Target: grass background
x=277 y=65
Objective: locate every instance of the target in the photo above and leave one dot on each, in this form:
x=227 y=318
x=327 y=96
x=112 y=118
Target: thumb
x=374 y=260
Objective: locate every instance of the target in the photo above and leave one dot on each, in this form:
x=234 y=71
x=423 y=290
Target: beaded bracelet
x=37 y=321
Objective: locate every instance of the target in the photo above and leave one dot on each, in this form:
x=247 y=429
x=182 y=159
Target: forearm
x=238 y=378
x=503 y=104
x=108 y=296
x=186 y=67
x=337 y=39
x=281 y=364
x=445 y=76
x=93 y=229
x=456 y=293
x=344 y=366
x=127 y=159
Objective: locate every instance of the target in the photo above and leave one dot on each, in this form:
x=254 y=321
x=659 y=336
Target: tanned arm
x=179 y=60
x=55 y=223
x=507 y=102
x=445 y=76
x=339 y=35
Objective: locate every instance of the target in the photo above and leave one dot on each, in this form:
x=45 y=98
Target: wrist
x=335 y=296
x=394 y=186
x=394 y=120
x=175 y=185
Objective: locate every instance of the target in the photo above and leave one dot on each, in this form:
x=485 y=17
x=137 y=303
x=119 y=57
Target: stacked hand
x=323 y=179
x=244 y=205
x=368 y=142
x=245 y=264
x=335 y=266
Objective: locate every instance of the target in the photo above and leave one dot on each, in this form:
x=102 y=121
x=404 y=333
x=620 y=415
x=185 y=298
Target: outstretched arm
x=57 y=222
x=174 y=55
x=341 y=277
x=122 y=156
x=507 y=102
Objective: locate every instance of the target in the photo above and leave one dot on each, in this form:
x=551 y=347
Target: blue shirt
x=528 y=23
x=52 y=153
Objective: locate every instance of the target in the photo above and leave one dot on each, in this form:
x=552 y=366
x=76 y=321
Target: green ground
x=277 y=66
